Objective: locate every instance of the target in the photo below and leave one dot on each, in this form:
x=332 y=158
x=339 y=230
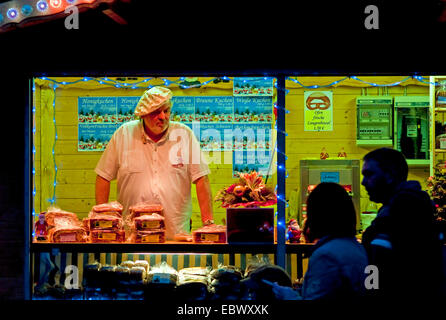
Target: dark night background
x=170 y=38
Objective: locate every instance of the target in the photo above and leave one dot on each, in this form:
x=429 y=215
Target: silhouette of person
x=337 y=263
x=402 y=240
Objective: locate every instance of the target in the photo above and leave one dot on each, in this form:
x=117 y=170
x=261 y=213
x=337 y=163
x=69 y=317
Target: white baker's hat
x=151 y=100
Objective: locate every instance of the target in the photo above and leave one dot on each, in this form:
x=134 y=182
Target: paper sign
x=330 y=177
x=253 y=86
x=318 y=111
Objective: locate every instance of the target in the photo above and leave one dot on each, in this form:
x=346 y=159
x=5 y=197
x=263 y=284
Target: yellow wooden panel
x=75 y=189
x=85 y=161
x=103 y=258
x=47 y=140
x=305 y=265
x=76 y=176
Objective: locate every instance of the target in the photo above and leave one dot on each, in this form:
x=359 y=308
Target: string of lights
x=53 y=200
x=34 y=156
x=142 y=84
x=418 y=78
x=19 y=11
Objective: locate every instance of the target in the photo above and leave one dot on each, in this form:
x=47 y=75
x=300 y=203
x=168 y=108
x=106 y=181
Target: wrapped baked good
x=183 y=237
x=210 y=234
x=107 y=277
x=128 y=264
x=64 y=226
x=106 y=216
x=162 y=273
x=254 y=263
x=193 y=274
x=122 y=276
x=107 y=236
x=225 y=282
x=56 y=217
x=150 y=236
x=67 y=234
x=142 y=263
x=113 y=208
x=226 y=271
x=137 y=275
x=144 y=208
x=149 y=222
x=91 y=277
x=103 y=222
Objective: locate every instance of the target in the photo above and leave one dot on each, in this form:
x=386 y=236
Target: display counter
x=169 y=246
x=77 y=258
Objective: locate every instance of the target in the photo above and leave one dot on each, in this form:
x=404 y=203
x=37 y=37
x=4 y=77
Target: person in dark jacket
x=336 y=269
x=401 y=241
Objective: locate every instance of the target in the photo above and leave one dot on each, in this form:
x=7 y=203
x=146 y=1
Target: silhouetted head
x=383 y=171
x=330 y=212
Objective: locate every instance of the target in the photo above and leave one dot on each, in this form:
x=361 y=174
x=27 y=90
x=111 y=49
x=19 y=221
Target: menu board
x=214 y=109
x=253 y=86
x=241 y=123
x=244 y=161
x=183 y=109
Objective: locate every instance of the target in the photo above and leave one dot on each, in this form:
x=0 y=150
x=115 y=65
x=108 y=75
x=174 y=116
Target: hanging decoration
x=23 y=12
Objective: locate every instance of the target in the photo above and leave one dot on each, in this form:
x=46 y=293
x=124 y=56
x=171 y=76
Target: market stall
x=296 y=123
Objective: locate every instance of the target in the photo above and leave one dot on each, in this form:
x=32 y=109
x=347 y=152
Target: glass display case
x=374 y=121
x=344 y=172
x=412 y=128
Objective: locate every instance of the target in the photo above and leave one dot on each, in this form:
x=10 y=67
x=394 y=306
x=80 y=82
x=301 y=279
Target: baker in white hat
x=155 y=161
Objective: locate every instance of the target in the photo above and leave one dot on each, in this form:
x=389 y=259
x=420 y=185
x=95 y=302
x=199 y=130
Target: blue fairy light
x=27 y=10
x=42 y=5
x=12 y=13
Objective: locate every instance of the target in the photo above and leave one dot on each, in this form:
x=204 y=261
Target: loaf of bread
x=104 y=236
x=144 y=209
x=210 y=234
x=142 y=263
x=67 y=234
x=103 y=222
x=59 y=218
x=149 y=222
x=128 y=264
x=150 y=236
x=112 y=208
x=193 y=274
x=162 y=273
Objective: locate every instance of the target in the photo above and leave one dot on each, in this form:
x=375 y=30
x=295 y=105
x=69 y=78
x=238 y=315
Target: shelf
x=168 y=247
x=440 y=109
x=418 y=162
x=373 y=143
x=440 y=150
